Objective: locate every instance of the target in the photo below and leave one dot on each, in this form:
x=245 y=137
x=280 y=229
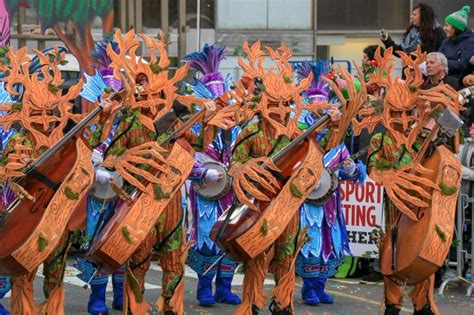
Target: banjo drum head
x=215 y=190
x=324 y=187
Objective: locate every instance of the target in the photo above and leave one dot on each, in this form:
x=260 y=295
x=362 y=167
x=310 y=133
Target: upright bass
x=57 y=180
x=243 y=233
x=133 y=219
x=413 y=250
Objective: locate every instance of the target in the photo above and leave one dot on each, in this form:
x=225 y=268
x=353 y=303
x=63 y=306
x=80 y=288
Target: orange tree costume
x=153 y=220
x=421 y=177
x=273 y=240
x=47 y=196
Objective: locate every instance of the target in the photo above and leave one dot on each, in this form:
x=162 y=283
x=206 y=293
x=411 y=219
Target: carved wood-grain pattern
x=146 y=211
x=280 y=211
x=56 y=216
x=443 y=209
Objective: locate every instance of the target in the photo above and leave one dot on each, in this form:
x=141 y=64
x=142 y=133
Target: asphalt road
x=351 y=297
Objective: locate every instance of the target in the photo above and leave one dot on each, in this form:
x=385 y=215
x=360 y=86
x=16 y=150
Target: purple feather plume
x=208 y=60
x=102 y=62
x=99 y=53
x=319 y=69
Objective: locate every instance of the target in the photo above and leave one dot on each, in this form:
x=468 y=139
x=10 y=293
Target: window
x=264 y=14
x=443 y=8
x=363 y=14
x=207 y=13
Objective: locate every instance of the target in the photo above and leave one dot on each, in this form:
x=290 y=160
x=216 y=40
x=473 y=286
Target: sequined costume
x=205 y=212
x=101 y=200
x=326 y=227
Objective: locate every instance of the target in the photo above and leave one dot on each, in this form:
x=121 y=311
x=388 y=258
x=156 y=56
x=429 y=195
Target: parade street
x=351 y=297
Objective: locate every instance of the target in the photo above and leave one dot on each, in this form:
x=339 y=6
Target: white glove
x=213 y=175
x=350 y=169
x=97 y=157
x=102 y=176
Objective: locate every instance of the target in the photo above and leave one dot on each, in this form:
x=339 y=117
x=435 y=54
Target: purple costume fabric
x=4 y=25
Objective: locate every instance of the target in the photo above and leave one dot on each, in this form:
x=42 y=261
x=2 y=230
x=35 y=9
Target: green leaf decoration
x=78 y=238
x=171 y=286
x=159 y=193
x=441 y=233
x=261 y=87
x=413 y=88
x=288 y=248
x=133 y=283
x=447 y=190
x=287 y=79
x=155 y=68
x=42 y=242
x=174 y=242
x=53 y=88
x=3 y=160
x=382 y=164
x=295 y=191
x=264 y=227
x=256 y=98
x=126 y=235
x=117 y=151
x=108 y=90
x=70 y=194
x=17 y=106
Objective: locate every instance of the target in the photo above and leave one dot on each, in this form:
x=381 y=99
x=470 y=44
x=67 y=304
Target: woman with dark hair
x=458 y=46
x=424 y=30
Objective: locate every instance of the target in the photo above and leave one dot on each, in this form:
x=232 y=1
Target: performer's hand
x=468 y=80
x=213 y=175
x=210 y=108
x=334 y=114
x=102 y=176
x=106 y=104
x=26 y=160
x=97 y=158
x=109 y=105
x=349 y=166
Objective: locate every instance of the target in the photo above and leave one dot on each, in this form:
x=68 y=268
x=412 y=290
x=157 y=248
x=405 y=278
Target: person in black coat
x=458 y=47
x=424 y=30
x=467 y=70
x=437 y=72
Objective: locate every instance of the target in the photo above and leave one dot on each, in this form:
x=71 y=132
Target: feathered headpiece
x=207 y=62
x=102 y=62
x=319 y=89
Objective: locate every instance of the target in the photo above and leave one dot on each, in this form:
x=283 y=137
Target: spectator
x=369 y=64
x=424 y=30
x=467 y=75
x=458 y=47
x=437 y=71
x=467 y=80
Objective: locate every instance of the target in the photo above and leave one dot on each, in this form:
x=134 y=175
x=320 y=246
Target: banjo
x=329 y=181
x=215 y=190
x=106 y=192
